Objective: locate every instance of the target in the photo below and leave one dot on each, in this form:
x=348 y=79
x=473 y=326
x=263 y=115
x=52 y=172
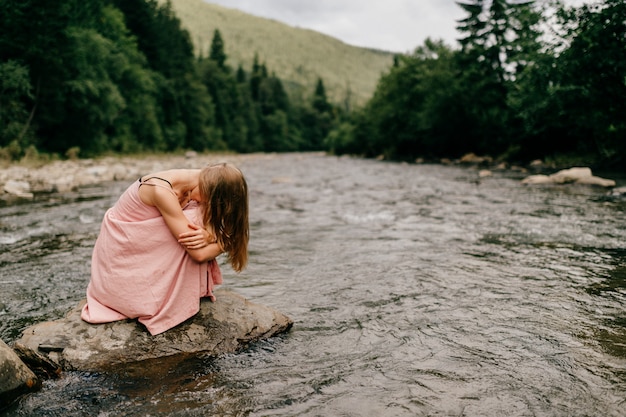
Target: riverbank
x=26 y=179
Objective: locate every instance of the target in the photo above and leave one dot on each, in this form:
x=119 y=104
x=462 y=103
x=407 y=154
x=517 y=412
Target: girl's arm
x=177 y=222
x=196 y=238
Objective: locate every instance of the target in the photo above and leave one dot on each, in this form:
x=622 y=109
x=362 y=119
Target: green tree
x=258 y=73
x=500 y=37
x=136 y=127
x=440 y=102
x=217 y=53
x=15 y=119
x=93 y=100
x=240 y=75
x=35 y=33
x=185 y=108
x=414 y=111
x=589 y=88
x=92 y=89
x=247 y=117
x=272 y=95
x=320 y=101
x=233 y=110
x=222 y=87
x=202 y=133
x=160 y=36
x=317 y=119
x=276 y=127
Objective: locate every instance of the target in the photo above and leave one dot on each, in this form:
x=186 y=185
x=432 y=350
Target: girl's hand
x=197 y=238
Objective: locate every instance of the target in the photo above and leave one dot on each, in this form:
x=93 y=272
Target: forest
x=529 y=80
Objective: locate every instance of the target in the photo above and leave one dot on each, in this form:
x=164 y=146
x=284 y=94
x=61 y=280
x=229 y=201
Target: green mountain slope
x=297 y=56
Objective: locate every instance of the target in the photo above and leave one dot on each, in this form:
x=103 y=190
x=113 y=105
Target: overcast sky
x=391 y=25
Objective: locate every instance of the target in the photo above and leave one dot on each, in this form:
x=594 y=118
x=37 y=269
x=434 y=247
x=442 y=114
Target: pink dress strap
x=157 y=184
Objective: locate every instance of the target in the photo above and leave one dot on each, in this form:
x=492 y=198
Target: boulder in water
x=577 y=175
x=15 y=377
x=224 y=326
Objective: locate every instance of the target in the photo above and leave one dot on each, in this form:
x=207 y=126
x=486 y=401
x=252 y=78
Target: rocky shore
x=25 y=180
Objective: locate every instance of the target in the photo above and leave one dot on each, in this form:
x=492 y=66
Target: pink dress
x=139 y=270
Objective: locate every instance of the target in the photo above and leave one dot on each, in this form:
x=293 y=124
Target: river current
x=415 y=290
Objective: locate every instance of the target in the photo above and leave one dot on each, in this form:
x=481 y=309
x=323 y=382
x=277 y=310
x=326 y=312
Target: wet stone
x=224 y=326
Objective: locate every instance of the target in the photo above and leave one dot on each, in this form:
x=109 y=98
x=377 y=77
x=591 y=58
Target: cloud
x=392 y=25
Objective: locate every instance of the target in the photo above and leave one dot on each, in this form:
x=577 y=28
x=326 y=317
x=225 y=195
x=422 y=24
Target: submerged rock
x=224 y=326
x=618 y=193
x=15 y=377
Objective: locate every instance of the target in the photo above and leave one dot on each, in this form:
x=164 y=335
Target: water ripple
x=415 y=291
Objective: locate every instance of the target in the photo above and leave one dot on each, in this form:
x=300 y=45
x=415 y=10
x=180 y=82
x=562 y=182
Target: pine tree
x=217 y=53
x=240 y=75
x=255 y=78
x=320 y=102
x=500 y=38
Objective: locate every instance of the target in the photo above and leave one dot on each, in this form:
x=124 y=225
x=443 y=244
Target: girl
x=155 y=255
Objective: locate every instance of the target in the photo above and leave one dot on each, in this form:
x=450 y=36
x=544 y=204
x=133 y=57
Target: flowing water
x=416 y=290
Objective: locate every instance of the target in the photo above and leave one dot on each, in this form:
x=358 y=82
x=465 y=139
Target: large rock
x=224 y=326
x=15 y=377
x=18 y=188
x=577 y=175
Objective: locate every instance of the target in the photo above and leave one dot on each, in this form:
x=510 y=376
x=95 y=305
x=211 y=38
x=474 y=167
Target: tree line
x=528 y=80
x=87 y=77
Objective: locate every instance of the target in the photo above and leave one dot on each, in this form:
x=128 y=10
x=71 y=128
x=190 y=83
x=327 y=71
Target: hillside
x=297 y=56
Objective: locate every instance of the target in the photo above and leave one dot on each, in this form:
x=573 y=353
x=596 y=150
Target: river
x=416 y=290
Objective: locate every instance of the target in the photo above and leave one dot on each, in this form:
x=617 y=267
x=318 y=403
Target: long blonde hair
x=224 y=193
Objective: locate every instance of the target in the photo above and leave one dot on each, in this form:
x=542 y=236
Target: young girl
x=155 y=255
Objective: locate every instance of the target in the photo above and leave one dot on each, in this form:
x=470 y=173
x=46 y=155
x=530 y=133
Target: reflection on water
x=610 y=334
x=415 y=290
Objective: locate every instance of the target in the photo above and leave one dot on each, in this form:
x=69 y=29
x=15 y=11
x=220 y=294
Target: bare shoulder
x=166 y=174
x=172 y=175
x=164 y=198
x=155 y=194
